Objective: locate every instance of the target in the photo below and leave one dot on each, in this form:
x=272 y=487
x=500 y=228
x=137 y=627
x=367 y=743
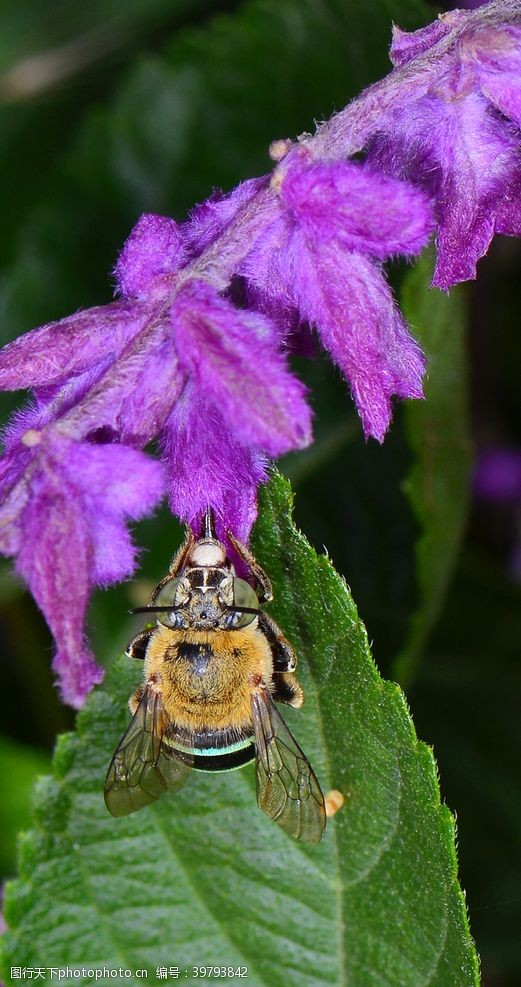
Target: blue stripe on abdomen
x=219 y=759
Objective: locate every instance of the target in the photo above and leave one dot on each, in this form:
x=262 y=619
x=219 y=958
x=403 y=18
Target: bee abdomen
x=226 y=760
x=214 y=750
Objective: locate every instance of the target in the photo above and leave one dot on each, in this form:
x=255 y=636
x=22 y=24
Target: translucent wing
x=287 y=788
x=143 y=767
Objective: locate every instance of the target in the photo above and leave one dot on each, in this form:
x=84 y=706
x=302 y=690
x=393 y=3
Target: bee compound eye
x=244 y=596
x=174 y=593
x=171 y=619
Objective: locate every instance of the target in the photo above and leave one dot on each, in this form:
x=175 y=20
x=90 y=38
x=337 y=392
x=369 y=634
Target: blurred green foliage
x=20 y=765
x=159 y=103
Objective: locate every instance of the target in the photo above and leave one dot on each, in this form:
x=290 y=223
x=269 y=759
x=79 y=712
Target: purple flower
x=154 y=248
x=459 y=137
x=195 y=352
x=321 y=257
x=206 y=459
x=209 y=220
x=232 y=357
x=64 y=510
x=62 y=350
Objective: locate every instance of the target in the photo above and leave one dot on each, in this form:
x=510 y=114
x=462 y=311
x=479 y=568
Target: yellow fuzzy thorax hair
x=206 y=678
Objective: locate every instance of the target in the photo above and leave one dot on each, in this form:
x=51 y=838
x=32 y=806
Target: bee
x=215 y=664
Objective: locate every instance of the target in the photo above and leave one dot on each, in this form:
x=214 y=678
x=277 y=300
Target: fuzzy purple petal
x=113 y=483
x=58 y=350
x=66 y=515
x=348 y=299
x=113 y=551
x=407 y=45
x=361 y=208
x=55 y=561
x=14 y=496
x=230 y=354
x=282 y=314
x=209 y=468
x=479 y=157
x=134 y=396
x=468 y=159
x=209 y=219
x=495 y=55
x=154 y=248
x=508 y=216
x=129 y=481
x=264 y=267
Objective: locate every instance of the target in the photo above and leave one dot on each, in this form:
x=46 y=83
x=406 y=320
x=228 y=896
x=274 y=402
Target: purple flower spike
x=232 y=356
x=207 y=466
x=154 y=248
x=453 y=141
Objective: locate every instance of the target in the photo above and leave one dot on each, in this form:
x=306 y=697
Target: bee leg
x=182 y=554
x=284 y=658
x=136 y=698
x=287 y=689
x=178 y=560
x=266 y=593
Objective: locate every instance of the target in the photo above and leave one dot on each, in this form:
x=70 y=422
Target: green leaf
x=203 y=877
x=438 y=429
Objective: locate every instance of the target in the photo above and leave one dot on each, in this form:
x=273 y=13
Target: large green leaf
x=204 y=878
x=438 y=484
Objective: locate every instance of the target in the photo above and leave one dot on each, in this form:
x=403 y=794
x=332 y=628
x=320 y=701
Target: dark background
x=106 y=112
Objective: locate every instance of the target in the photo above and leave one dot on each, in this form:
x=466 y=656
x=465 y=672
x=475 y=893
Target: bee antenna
x=208 y=524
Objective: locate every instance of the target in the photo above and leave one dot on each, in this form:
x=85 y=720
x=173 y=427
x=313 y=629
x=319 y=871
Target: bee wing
x=143 y=767
x=287 y=788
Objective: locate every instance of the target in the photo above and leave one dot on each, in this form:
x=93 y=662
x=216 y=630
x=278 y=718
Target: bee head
x=205 y=598
x=207 y=594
